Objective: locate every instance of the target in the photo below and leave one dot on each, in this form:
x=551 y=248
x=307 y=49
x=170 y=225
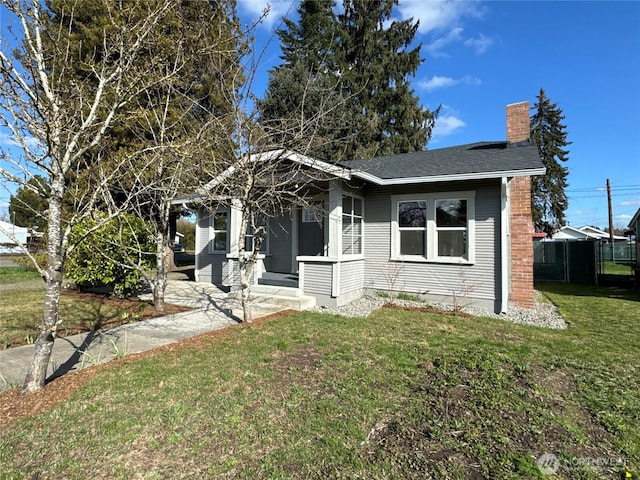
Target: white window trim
x=353 y=256
x=265 y=244
x=397 y=229
x=431 y=232
x=213 y=231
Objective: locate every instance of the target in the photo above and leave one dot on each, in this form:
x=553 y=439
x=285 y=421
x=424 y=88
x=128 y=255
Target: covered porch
x=317 y=249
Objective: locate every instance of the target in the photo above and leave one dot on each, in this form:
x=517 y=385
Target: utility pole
x=610 y=220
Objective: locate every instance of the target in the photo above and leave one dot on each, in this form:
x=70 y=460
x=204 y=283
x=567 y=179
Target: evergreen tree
x=548 y=197
x=344 y=82
x=169 y=132
x=27 y=208
x=377 y=65
x=302 y=107
x=313 y=41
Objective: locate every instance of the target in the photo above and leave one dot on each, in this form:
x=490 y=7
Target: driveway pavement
x=212 y=311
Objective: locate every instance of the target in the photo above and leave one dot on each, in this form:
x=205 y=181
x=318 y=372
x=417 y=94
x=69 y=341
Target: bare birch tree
x=191 y=109
x=58 y=123
x=268 y=177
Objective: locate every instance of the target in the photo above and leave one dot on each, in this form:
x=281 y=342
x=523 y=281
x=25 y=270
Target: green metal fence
x=566 y=261
x=620 y=252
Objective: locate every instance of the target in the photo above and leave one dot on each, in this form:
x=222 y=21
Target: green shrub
x=106 y=256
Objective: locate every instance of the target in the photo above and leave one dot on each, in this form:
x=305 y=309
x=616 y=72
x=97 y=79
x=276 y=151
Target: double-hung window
x=437 y=227
x=219 y=232
x=352 y=231
x=412 y=227
x=250 y=239
x=452 y=227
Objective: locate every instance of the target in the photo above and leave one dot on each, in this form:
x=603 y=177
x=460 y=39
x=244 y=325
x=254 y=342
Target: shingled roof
x=463 y=162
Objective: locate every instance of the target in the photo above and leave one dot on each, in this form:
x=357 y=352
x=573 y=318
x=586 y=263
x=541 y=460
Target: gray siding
x=318 y=278
x=231 y=272
x=280 y=245
x=351 y=276
x=480 y=280
x=209 y=266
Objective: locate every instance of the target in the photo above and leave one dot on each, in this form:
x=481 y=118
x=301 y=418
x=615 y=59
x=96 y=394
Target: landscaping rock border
x=545 y=314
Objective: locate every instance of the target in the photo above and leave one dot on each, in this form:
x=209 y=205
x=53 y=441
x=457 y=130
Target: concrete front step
x=278 y=279
x=276 y=290
x=292 y=298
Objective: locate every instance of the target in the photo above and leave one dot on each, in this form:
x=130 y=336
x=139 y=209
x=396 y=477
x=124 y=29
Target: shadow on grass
x=577 y=290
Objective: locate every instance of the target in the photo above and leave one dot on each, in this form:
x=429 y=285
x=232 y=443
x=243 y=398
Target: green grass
x=610 y=268
x=399 y=296
x=21 y=316
x=398 y=395
x=10 y=275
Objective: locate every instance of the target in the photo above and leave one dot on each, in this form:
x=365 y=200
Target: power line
x=603 y=189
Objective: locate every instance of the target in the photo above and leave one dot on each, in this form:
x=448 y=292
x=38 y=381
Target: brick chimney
x=518 y=125
x=521 y=224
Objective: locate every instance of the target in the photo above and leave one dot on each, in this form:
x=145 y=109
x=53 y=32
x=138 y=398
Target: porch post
x=335 y=219
x=235 y=220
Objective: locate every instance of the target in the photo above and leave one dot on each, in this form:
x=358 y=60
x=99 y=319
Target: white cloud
x=435 y=48
x=631 y=203
x=480 y=44
x=439 y=14
x=447 y=123
x=436 y=82
x=8 y=140
x=276 y=10
x=443 y=21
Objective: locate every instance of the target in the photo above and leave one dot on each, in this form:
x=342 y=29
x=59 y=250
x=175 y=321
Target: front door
x=311 y=231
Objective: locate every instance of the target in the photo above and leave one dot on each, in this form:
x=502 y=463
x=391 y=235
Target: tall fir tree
x=377 y=65
x=344 y=81
x=548 y=198
x=156 y=142
x=302 y=107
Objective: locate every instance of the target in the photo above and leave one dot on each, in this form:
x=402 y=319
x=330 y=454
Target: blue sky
x=481 y=56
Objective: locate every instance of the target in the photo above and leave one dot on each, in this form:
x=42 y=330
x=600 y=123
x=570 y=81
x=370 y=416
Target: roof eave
x=634 y=219
x=447 y=178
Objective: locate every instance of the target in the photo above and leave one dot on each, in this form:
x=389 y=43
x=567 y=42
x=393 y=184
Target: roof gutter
x=446 y=178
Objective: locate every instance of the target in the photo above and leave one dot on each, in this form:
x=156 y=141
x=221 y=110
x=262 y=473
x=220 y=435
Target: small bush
x=111 y=255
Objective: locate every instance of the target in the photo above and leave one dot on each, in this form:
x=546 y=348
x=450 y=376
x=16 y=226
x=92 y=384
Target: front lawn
x=22 y=303
x=10 y=275
x=401 y=394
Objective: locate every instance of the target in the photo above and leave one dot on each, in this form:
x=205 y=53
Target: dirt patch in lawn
x=299 y=366
x=14 y=405
x=456 y=421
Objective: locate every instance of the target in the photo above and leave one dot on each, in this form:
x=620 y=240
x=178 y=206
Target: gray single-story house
x=452 y=224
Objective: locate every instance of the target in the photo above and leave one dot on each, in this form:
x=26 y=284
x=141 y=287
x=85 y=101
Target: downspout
x=196 y=267
x=504 y=245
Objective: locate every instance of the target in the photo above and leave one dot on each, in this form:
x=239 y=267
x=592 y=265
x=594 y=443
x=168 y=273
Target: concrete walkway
x=212 y=311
